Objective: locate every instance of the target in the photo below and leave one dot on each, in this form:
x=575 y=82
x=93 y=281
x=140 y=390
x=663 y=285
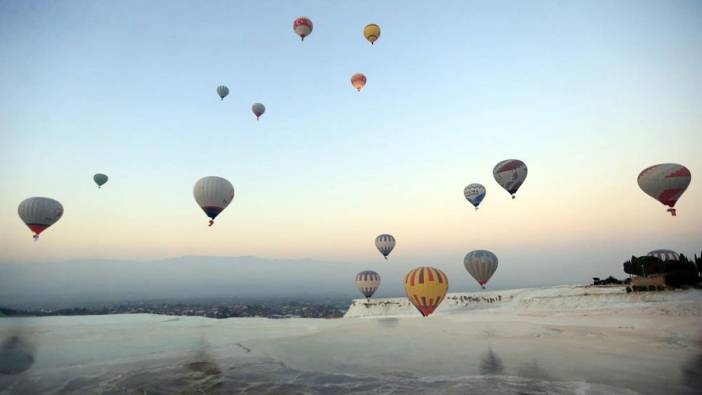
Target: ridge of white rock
x=560 y=298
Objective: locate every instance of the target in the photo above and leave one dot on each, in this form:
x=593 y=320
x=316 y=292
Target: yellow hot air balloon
x=371 y=32
x=426 y=287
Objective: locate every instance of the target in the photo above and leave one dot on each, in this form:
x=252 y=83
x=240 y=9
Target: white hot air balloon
x=665 y=182
x=222 y=91
x=474 y=193
x=38 y=213
x=385 y=243
x=213 y=194
x=481 y=264
x=258 y=109
x=510 y=174
x=367 y=282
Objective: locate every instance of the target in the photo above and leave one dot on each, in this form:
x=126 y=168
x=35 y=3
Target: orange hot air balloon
x=426 y=287
x=358 y=81
x=303 y=27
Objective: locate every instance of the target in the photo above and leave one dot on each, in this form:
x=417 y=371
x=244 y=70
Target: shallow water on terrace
x=157 y=354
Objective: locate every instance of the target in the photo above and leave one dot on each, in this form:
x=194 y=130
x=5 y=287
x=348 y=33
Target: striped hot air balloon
x=481 y=264
x=367 y=282
x=385 y=243
x=213 y=194
x=426 y=288
x=510 y=174
x=474 y=193
x=665 y=255
x=665 y=182
x=222 y=91
x=303 y=27
x=38 y=213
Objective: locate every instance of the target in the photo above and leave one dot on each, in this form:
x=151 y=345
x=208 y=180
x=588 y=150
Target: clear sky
x=586 y=93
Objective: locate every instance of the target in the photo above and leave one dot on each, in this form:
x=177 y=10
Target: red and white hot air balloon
x=665 y=182
x=302 y=27
x=358 y=81
x=38 y=213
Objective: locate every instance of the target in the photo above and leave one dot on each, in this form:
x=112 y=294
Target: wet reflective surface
x=453 y=355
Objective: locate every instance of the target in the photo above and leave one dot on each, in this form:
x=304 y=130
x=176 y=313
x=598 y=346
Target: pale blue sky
x=586 y=93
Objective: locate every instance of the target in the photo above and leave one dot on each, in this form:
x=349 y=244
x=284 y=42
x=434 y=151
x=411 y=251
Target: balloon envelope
x=358 y=81
x=385 y=243
x=222 y=91
x=367 y=282
x=213 y=194
x=38 y=213
x=303 y=27
x=474 y=193
x=665 y=182
x=481 y=264
x=371 y=32
x=258 y=109
x=665 y=255
x=510 y=174
x=426 y=288
x=100 y=179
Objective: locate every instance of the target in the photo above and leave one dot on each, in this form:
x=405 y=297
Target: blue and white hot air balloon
x=474 y=193
x=385 y=243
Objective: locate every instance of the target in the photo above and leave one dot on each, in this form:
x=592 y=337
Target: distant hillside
x=75 y=283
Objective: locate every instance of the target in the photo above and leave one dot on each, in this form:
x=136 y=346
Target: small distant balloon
x=426 y=288
x=213 y=195
x=510 y=174
x=481 y=264
x=371 y=32
x=665 y=182
x=474 y=193
x=39 y=213
x=302 y=27
x=385 y=244
x=100 y=179
x=367 y=282
x=222 y=91
x=258 y=109
x=358 y=81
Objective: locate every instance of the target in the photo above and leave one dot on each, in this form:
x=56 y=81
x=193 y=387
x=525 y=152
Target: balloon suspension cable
x=211 y=222
x=35 y=237
x=672 y=212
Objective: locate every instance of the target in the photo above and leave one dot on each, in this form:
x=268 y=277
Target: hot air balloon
x=258 y=109
x=665 y=255
x=426 y=287
x=481 y=264
x=385 y=243
x=213 y=194
x=367 y=282
x=510 y=174
x=303 y=27
x=222 y=91
x=358 y=81
x=474 y=193
x=665 y=182
x=371 y=32
x=38 y=213
x=100 y=179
